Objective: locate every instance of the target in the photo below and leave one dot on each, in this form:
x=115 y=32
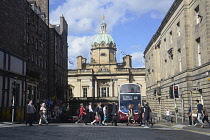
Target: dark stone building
x=24 y=53
x=58 y=59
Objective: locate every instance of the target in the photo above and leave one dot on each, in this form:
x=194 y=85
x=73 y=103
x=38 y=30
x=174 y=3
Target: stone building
x=178 y=54
x=24 y=71
x=58 y=54
x=99 y=80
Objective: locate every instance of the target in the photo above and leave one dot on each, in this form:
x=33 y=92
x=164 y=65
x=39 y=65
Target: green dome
x=104 y=37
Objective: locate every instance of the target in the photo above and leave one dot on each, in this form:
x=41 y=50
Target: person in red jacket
x=82 y=113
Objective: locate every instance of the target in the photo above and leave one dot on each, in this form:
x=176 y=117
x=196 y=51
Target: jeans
x=81 y=118
x=199 y=118
x=140 y=119
x=29 y=118
x=168 y=118
x=90 y=117
x=43 y=117
x=206 y=118
x=190 y=121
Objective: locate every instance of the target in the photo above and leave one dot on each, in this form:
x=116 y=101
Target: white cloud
x=83 y=16
x=79 y=46
x=138 y=59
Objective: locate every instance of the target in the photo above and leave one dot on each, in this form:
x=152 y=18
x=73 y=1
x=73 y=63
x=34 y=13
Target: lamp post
x=13 y=99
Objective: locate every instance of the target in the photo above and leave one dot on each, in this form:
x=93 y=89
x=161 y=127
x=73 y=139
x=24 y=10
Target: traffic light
x=175 y=89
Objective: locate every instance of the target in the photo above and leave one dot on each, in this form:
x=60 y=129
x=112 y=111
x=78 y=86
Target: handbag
x=97 y=119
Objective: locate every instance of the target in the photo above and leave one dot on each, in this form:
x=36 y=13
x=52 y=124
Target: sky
x=131 y=23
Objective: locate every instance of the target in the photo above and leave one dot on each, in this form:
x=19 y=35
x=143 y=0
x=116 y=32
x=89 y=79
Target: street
x=67 y=131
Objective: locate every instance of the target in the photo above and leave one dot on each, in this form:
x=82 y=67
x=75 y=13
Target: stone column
x=96 y=87
x=111 y=89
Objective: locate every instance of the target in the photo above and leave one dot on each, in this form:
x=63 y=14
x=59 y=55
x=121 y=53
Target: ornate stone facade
x=100 y=79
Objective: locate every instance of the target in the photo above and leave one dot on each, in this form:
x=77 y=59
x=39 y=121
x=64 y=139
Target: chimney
x=128 y=61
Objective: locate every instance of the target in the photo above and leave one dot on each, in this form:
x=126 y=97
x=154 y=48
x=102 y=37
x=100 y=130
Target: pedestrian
x=30 y=112
x=190 y=116
x=146 y=115
x=115 y=113
x=205 y=115
x=140 y=112
x=90 y=113
x=168 y=117
x=105 y=114
x=97 y=114
x=200 y=111
x=42 y=113
x=130 y=114
x=81 y=113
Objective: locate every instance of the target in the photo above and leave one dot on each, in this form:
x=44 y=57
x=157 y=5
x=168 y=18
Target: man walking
x=90 y=113
x=30 y=112
x=200 y=110
x=147 y=115
x=140 y=112
x=114 y=113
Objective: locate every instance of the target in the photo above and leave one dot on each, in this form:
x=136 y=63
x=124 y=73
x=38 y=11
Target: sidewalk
x=185 y=127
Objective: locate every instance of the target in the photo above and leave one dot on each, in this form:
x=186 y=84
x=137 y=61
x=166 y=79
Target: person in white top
x=105 y=114
x=42 y=114
x=168 y=115
x=90 y=113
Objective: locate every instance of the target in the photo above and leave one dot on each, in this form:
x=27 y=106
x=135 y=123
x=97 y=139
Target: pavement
x=195 y=129
x=66 y=131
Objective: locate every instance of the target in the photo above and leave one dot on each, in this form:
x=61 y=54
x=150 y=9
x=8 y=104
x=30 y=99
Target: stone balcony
x=80 y=71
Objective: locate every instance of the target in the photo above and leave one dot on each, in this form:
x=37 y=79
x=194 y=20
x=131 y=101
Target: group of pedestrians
x=201 y=113
x=145 y=115
x=31 y=110
x=99 y=114
x=95 y=116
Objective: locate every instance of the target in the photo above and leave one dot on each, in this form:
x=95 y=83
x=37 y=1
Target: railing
x=79 y=71
x=137 y=70
x=122 y=69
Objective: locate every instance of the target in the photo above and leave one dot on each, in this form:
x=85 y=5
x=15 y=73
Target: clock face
x=103 y=44
x=103 y=54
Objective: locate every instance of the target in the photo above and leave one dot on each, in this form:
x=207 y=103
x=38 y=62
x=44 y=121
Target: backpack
x=78 y=111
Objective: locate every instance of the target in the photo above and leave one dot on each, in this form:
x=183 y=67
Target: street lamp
x=13 y=99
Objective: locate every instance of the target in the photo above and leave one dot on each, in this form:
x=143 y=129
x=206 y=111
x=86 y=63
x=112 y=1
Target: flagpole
x=89 y=57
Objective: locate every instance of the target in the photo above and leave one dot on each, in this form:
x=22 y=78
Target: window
x=103 y=90
x=32 y=57
x=180 y=62
x=32 y=40
x=27 y=37
x=36 y=44
x=178 y=29
x=28 y=17
x=84 y=92
x=165 y=43
x=171 y=37
x=70 y=92
x=197 y=15
x=199 y=51
x=41 y=62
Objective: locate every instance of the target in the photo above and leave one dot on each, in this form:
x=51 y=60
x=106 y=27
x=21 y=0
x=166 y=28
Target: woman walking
x=81 y=113
x=105 y=114
x=130 y=115
x=97 y=115
x=42 y=113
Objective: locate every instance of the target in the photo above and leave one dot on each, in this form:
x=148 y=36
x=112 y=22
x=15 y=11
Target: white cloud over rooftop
x=84 y=18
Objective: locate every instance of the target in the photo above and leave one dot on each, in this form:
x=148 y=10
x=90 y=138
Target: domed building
x=99 y=80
